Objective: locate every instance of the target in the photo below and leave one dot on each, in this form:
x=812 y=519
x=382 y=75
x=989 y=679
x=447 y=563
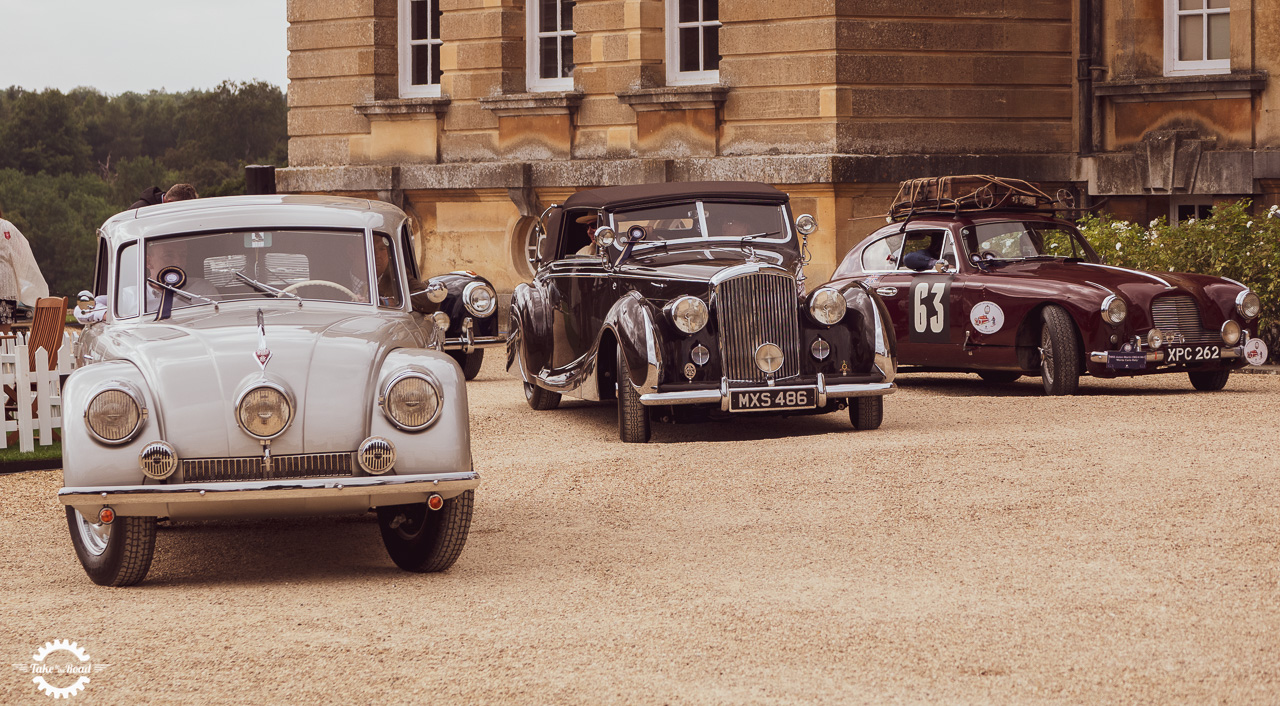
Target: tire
x=1209 y=380
x=539 y=398
x=470 y=362
x=423 y=540
x=866 y=412
x=118 y=554
x=1059 y=353
x=999 y=377
x=633 y=417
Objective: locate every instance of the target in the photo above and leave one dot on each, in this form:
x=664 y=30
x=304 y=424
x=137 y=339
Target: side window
x=949 y=251
x=410 y=258
x=921 y=249
x=128 y=291
x=388 y=273
x=576 y=238
x=882 y=255
x=100 y=270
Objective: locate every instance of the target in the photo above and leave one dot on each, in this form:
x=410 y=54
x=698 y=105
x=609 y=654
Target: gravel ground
x=986 y=545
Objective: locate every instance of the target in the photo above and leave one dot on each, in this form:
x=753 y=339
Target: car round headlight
x=441 y=319
x=689 y=314
x=827 y=306
x=769 y=358
x=264 y=411
x=480 y=299
x=412 y=400
x=1114 y=309
x=1155 y=339
x=158 y=460
x=1248 y=304
x=806 y=224
x=115 y=415
x=1230 y=332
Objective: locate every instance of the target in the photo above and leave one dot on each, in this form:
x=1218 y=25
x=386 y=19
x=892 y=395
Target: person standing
x=20 y=277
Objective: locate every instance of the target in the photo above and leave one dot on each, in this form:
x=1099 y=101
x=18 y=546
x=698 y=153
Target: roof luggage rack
x=972 y=193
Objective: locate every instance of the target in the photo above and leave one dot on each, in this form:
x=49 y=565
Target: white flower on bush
x=1154 y=222
x=1273 y=212
x=1117 y=247
x=1249 y=224
x=1118 y=225
x=1190 y=221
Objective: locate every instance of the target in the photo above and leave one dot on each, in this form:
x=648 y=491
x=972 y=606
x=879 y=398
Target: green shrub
x=1229 y=243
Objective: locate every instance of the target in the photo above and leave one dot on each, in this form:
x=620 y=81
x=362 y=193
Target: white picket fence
x=41 y=385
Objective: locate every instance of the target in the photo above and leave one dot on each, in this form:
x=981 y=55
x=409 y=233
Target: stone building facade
x=474 y=115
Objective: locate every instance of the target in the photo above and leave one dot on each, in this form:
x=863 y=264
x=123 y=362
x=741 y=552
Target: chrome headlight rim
x=135 y=394
x=290 y=407
x=683 y=323
x=1230 y=332
x=1155 y=339
x=400 y=377
x=1114 y=310
x=841 y=306
x=1247 y=300
x=477 y=311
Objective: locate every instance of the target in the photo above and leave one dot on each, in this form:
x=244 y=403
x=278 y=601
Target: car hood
x=701 y=264
x=197 y=365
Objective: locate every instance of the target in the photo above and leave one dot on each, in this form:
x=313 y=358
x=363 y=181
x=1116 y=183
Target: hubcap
x=93 y=535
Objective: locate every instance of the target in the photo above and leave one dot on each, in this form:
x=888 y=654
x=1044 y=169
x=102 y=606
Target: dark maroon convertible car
x=687 y=301
x=987 y=279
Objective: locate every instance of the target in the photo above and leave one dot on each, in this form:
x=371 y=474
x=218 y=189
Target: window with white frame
x=1197 y=37
x=549 y=43
x=693 y=42
x=419 y=48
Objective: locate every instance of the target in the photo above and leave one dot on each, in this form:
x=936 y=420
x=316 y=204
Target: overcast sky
x=127 y=45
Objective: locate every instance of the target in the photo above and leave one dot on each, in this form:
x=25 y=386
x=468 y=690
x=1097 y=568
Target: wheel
x=999 y=377
x=1059 y=353
x=423 y=540
x=118 y=554
x=633 y=418
x=470 y=362
x=1209 y=380
x=539 y=398
x=866 y=412
x=322 y=283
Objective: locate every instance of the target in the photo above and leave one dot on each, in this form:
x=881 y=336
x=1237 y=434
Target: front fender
x=529 y=343
x=634 y=321
x=455 y=283
x=877 y=334
x=88 y=462
x=446 y=444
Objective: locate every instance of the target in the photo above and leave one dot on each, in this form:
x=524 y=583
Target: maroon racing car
x=980 y=275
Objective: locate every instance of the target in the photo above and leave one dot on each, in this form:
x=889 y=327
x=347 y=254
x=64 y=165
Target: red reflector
x=435 y=502
x=106 y=515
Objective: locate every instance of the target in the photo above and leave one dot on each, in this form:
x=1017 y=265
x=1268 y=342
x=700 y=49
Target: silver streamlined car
x=256 y=358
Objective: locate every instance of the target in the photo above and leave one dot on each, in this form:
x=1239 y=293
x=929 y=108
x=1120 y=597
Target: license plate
x=1120 y=360
x=1192 y=354
x=773 y=399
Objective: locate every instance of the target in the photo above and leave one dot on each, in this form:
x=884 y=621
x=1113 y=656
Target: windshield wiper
x=265 y=287
x=182 y=292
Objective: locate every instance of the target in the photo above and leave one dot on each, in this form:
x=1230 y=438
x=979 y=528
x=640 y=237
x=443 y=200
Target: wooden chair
x=48 y=323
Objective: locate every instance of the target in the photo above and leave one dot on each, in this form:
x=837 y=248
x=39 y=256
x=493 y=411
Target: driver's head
x=381 y=254
x=165 y=253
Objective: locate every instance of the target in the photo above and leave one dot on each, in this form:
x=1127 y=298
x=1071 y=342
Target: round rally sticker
x=986 y=317
x=1255 y=351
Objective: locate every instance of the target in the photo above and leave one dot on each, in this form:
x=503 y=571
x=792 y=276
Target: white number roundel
x=986 y=317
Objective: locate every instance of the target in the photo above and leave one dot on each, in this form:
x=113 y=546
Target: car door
x=924 y=306
x=577 y=285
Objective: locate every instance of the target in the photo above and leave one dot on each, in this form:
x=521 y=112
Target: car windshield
x=1026 y=240
x=232 y=266
x=703 y=220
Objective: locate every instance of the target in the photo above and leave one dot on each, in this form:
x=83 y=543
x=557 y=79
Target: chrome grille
x=207 y=470
x=1180 y=313
x=753 y=309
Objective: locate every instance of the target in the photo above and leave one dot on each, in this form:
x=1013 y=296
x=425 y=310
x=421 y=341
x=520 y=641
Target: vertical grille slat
x=1179 y=313
x=754 y=309
x=209 y=470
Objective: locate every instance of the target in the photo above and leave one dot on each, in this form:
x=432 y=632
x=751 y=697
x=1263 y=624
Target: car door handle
x=886 y=291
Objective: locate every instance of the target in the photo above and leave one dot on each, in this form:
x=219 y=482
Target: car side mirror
x=543 y=247
x=942 y=266
x=435 y=292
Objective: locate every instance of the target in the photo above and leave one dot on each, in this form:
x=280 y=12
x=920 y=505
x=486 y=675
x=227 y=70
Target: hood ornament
x=263 y=354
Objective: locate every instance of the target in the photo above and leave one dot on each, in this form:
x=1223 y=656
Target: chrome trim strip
x=862 y=389
x=268 y=490
x=872 y=389
x=453 y=344
x=1133 y=272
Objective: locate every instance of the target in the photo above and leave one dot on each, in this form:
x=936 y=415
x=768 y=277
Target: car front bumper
x=1233 y=353
x=720 y=396
x=266 y=498
x=467 y=341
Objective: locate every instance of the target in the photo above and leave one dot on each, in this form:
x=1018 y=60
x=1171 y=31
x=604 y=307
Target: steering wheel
x=322 y=283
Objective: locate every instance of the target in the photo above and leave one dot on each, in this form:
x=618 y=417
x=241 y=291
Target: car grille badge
x=263 y=354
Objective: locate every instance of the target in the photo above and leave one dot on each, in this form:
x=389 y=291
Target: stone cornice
x=403 y=106
x=674 y=98
x=517 y=104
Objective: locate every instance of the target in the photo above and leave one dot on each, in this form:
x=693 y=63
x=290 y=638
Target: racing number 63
x=922 y=320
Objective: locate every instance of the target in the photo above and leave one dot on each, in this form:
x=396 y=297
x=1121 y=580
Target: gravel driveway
x=986 y=545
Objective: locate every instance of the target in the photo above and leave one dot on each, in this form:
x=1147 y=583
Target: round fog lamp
x=1155 y=339
x=1230 y=333
x=769 y=358
x=158 y=460
x=376 y=455
x=700 y=355
x=820 y=349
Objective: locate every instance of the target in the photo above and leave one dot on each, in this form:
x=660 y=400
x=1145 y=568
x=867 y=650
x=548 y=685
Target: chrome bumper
x=155 y=499
x=1158 y=356
x=721 y=396
x=467 y=342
